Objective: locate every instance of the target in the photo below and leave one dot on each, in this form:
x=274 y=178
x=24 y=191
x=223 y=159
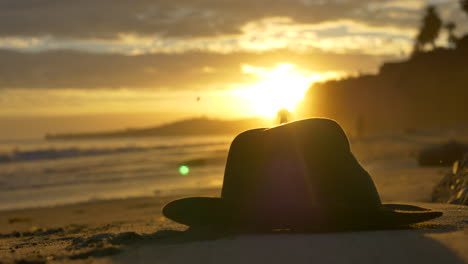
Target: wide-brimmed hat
x=299 y=176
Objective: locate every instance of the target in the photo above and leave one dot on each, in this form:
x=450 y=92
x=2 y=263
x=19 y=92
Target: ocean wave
x=74 y=152
x=70 y=182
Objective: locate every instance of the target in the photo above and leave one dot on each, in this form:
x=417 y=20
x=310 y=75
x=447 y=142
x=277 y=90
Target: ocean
x=39 y=172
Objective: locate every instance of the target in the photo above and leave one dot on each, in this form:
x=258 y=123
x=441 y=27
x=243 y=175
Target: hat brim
x=209 y=211
x=404 y=214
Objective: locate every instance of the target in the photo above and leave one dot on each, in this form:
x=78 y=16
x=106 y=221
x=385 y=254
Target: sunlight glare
x=281 y=87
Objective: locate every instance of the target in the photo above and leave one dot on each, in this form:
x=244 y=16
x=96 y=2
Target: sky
x=93 y=65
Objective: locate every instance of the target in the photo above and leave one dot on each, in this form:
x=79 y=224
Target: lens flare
x=184 y=170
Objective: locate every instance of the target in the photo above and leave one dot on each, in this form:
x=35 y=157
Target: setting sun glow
x=281 y=87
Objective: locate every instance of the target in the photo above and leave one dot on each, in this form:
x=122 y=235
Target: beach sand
x=81 y=231
x=443 y=240
x=133 y=230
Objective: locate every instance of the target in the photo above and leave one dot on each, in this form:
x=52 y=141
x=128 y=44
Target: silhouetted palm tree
x=430 y=29
x=452 y=39
x=464 y=5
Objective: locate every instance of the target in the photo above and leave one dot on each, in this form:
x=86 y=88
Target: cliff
x=428 y=89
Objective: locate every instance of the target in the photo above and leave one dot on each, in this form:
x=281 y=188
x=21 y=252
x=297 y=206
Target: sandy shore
x=444 y=240
x=82 y=231
x=134 y=231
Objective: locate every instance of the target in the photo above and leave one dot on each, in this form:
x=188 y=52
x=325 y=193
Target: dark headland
x=188 y=127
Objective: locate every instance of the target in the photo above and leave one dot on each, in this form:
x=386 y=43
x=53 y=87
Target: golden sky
x=144 y=62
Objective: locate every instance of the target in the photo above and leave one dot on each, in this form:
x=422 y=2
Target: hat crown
x=303 y=165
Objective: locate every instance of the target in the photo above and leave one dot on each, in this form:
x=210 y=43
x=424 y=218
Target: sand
x=134 y=231
x=80 y=231
x=439 y=241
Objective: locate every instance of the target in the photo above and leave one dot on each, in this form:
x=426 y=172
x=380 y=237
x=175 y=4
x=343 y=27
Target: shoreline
x=19 y=219
x=157 y=194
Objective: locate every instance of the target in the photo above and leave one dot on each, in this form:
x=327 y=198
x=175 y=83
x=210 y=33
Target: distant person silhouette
x=360 y=126
x=283 y=116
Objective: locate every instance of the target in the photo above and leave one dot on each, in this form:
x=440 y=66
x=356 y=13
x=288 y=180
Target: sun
x=281 y=87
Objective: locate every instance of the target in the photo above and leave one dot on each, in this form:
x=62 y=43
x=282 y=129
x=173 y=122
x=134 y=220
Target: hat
x=300 y=176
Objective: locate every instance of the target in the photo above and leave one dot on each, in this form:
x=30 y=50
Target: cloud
x=190 y=70
x=19 y=43
x=86 y=43
x=408 y=13
x=257 y=36
x=108 y=19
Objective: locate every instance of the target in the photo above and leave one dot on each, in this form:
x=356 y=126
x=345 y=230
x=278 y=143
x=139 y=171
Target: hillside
x=429 y=89
x=189 y=127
